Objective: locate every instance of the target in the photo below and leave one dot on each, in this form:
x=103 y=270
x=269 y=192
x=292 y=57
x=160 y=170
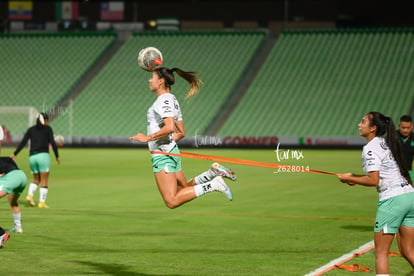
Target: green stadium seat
x=321 y=83
x=116 y=101
x=39 y=69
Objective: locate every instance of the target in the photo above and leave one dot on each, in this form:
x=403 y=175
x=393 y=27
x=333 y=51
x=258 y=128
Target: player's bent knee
x=172 y=204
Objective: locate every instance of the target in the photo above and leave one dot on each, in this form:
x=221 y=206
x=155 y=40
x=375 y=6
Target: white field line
x=344 y=258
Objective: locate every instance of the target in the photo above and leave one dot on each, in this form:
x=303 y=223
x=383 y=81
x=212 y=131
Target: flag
x=20 y=10
x=112 y=10
x=67 y=10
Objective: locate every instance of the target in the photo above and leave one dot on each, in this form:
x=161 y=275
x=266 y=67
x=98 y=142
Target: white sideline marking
x=344 y=258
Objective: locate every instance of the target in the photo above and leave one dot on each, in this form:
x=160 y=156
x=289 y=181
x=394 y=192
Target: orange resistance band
x=234 y=161
x=358 y=268
x=394 y=254
x=353 y=267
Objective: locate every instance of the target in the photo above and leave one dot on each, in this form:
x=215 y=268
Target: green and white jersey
x=376 y=156
x=165 y=106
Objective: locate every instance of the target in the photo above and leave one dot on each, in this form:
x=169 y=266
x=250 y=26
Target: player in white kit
x=165 y=128
x=385 y=169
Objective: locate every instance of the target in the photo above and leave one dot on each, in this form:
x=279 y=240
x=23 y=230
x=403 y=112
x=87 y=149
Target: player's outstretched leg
x=222 y=187
x=217 y=184
x=220 y=170
x=215 y=170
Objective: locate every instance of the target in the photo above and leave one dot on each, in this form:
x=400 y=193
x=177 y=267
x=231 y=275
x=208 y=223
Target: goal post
x=17 y=119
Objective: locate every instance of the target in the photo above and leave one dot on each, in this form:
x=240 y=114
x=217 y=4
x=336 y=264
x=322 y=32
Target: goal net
x=17 y=119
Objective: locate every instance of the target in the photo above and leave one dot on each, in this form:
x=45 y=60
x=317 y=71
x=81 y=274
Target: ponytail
x=386 y=128
x=191 y=77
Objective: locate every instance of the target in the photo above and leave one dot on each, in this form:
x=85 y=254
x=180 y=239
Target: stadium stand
x=313 y=83
x=321 y=83
x=116 y=101
x=39 y=69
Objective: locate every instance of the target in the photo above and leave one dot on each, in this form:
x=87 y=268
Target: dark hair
x=191 y=77
x=386 y=128
x=406 y=118
x=40 y=119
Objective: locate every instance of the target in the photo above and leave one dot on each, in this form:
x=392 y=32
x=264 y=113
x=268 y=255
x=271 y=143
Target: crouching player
x=12 y=183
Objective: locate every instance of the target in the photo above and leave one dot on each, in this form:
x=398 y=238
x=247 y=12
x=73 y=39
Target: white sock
x=17 y=220
x=208 y=187
x=382 y=274
x=32 y=189
x=43 y=194
x=204 y=177
x=202 y=189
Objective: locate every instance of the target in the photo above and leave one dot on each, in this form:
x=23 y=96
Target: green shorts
x=13 y=182
x=411 y=175
x=39 y=162
x=168 y=163
x=394 y=212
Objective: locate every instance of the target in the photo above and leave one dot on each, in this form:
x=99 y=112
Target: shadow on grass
x=361 y=228
x=116 y=269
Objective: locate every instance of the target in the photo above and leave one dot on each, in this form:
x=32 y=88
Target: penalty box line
x=344 y=258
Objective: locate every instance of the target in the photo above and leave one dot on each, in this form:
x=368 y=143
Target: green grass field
x=107 y=218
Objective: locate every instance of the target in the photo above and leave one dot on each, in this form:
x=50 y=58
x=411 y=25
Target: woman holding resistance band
x=385 y=168
x=165 y=128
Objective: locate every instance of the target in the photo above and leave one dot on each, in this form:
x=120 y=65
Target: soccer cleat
x=42 y=205
x=4 y=238
x=220 y=170
x=222 y=187
x=30 y=200
x=16 y=230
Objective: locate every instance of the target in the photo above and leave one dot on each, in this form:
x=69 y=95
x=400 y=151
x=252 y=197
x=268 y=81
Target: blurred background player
x=4 y=236
x=385 y=168
x=405 y=131
x=12 y=183
x=40 y=136
x=165 y=128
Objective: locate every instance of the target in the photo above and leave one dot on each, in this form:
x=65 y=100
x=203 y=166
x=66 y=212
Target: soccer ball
x=59 y=140
x=150 y=58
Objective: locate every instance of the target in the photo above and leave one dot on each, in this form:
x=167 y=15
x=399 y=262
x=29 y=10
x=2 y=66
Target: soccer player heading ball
x=164 y=129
